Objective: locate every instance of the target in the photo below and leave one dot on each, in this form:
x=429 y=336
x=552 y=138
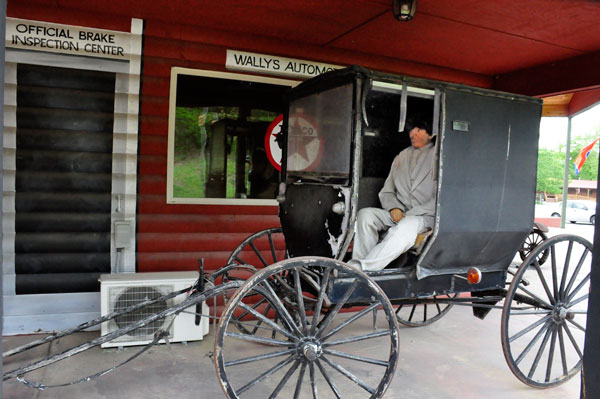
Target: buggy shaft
x=92 y=323
x=190 y=301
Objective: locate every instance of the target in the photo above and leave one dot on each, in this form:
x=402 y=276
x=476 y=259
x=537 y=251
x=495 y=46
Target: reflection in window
x=219 y=138
x=320 y=134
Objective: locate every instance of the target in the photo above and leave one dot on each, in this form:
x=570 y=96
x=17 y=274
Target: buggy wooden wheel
x=533 y=239
x=256 y=251
x=545 y=312
x=261 y=249
x=309 y=351
x=423 y=314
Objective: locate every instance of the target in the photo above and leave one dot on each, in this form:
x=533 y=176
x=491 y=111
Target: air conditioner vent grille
x=123 y=297
x=120 y=291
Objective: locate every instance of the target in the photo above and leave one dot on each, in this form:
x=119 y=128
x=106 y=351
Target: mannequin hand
x=396 y=214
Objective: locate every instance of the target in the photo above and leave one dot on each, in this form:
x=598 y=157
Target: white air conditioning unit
x=119 y=291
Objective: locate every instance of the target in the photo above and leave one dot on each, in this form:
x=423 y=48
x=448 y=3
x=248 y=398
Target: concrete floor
x=457 y=357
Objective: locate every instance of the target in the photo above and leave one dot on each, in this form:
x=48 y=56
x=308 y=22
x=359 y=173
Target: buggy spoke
x=539 y=353
x=274 y=333
x=540 y=239
x=260 y=340
x=283 y=313
x=233 y=278
x=267 y=321
x=264 y=375
x=563 y=279
x=576 y=271
x=329 y=381
x=258 y=323
x=412 y=312
x=533 y=296
x=518 y=312
x=272 y=245
x=572 y=339
x=526 y=330
x=551 y=354
x=579 y=286
x=299 y=382
x=417 y=314
x=285 y=379
x=578 y=311
x=554 y=274
x=350 y=320
x=241 y=261
x=437 y=305
x=257 y=252
x=376 y=334
x=356 y=357
x=301 y=310
x=254 y=306
x=349 y=375
x=326 y=274
x=258 y=357
x=532 y=343
x=255 y=327
x=538 y=269
x=578 y=300
x=337 y=308
x=313 y=385
x=579 y=326
x=563 y=354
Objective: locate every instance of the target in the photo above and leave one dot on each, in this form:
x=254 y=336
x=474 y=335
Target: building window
x=218 y=125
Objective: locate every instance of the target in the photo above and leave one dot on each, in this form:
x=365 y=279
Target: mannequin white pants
x=371 y=254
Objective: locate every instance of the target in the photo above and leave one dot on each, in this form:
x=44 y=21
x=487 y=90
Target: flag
x=583 y=156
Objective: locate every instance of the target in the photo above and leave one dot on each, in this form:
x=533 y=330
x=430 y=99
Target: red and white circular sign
x=272 y=148
x=304 y=145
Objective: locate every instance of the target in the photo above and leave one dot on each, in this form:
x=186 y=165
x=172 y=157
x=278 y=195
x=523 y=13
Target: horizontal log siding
x=173 y=237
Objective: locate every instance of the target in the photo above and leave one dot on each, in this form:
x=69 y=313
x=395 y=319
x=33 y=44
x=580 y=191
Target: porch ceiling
x=535 y=47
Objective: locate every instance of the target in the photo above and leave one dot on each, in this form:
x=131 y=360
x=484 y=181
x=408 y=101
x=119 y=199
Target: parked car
x=578 y=211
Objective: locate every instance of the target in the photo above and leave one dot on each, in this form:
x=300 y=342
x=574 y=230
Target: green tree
x=550 y=171
x=187 y=131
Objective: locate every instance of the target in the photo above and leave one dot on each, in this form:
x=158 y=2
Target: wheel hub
x=310 y=348
x=561 y=313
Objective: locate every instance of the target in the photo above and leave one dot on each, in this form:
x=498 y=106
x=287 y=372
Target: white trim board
x=29 y=313
x=48 y=312
x=175 y=72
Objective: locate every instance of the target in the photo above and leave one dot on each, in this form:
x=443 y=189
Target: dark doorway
x=63 y=178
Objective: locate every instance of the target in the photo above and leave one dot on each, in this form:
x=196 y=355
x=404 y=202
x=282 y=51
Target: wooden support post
x=590 y=376
x=2 y=58
x=565 y=193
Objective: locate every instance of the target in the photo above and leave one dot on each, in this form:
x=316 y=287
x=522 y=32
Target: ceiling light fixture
x=404 y=10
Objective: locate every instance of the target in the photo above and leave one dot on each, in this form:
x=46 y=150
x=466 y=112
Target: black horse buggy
x=294 y=324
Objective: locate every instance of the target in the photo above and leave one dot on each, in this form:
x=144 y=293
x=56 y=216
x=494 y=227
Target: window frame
x=175 y=72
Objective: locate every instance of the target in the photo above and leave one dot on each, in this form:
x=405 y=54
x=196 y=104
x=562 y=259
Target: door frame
x=49 y=312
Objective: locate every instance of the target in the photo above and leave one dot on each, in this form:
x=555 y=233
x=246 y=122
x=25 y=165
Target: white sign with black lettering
x=272 y=65
x=67 y=39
